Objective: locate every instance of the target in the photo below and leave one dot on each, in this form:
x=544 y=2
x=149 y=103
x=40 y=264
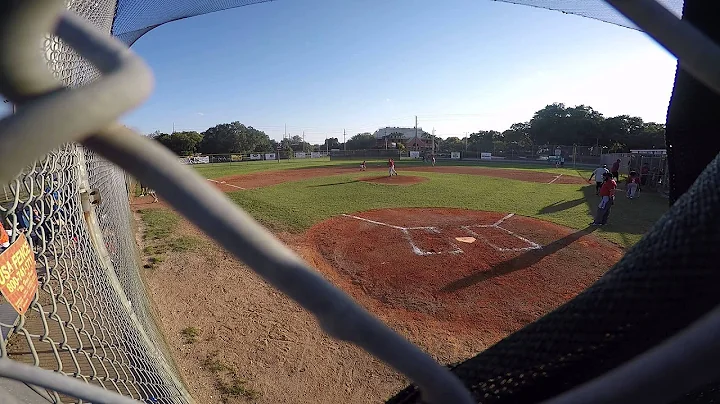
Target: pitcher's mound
x=394 y=180
x=452 y=270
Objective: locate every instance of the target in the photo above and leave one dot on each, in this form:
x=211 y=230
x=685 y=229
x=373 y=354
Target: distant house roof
x=407 y=133
x=416 y=142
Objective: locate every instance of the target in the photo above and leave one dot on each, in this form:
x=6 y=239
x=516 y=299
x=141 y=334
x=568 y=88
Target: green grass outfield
x=295 y=206
x=217 y=170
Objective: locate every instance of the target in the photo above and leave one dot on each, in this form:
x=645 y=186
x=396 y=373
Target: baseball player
x=599 y=175
x=391 y=167
x=362 y=166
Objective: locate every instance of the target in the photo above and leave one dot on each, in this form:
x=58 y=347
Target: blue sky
x=460 y=65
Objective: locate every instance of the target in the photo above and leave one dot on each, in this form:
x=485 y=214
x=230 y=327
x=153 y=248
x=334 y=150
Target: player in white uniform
x=598 y=174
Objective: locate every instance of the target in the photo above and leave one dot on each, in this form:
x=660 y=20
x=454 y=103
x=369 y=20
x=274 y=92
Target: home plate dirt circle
x=462 y=270
x=394 y=180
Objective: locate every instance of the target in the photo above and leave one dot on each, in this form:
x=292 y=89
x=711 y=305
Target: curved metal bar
x=57 y=115
x=240 y=234
x=60 y=383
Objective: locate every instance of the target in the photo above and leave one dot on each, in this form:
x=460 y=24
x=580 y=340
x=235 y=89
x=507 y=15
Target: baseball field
x=454 y=257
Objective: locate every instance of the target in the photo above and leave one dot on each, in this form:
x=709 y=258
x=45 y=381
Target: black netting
x=134 y=18
x=596 y=9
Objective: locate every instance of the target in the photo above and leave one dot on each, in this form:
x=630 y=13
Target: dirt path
x=267 y=178
x=247 y=326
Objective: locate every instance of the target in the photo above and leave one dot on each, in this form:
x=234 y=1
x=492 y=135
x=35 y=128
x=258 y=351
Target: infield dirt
x=451 y=304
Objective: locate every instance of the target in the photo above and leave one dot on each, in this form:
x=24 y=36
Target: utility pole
x=416 y=128
x=344 y=142
x=173 y=128
x=303 y=145
x=433 y=141
x=285 y=135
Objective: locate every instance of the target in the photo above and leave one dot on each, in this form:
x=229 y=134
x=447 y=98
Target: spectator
x=599 y=175
x=607 y=192
x=615 y=170
x=644 y=173
x=633 y=184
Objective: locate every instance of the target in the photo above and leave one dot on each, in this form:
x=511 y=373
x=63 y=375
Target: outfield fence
x=544 y=154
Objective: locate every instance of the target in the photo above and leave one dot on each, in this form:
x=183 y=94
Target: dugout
x=652 y=166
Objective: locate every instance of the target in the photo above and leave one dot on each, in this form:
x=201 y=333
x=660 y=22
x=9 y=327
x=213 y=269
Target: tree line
x=555 y=124
x=236 y=138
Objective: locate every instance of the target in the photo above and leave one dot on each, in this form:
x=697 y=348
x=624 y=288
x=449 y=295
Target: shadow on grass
x=559 y=206
x=333 y=183
x=518 y=263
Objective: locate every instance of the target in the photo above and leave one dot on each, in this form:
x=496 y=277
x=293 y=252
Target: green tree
x=557 y=124
x=499 y=146
x=361 y=141
x=331 y=143
x=518 y=135
x=299 y=145
x=181 y=143
x=482 y=141
x=452 y=144
x=234 y=138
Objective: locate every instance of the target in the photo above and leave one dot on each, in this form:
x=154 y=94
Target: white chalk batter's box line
x=454 y=247
x=225 y=183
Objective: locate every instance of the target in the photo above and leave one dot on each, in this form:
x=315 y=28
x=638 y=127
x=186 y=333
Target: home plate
x=465 y=239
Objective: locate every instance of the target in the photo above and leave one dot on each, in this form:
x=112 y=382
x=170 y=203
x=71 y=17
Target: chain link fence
x=90 y=318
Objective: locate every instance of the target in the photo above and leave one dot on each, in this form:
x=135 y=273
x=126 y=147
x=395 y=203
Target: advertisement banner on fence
x=455 y=155
x=256 y=157
x=270 y=156
x=414 y=154
x=315 y=155
x=18 y=278
x=485 y=156
x=300 y=155
x=196 y=160
x=236 y=157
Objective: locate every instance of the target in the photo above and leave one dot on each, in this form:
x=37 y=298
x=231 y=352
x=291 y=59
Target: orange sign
x=18 y=279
